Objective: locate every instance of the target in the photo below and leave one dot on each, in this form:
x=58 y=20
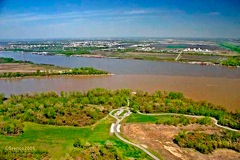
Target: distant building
x=196 y=50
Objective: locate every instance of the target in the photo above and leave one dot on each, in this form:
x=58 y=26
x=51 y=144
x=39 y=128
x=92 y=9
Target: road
x=124 y=140
x=153 y=114
x=178 y=56
x=193 y=116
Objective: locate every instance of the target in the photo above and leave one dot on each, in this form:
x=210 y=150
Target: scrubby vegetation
x=84 y=109
x=59 y=140
x=66 y=51
x=1 y=98
x=50 y=70
x=168 y=119
x=108 y=150
x=77 y=50
x=7 y=60
x=207 y=143
x=235 y=61
x=11 y=60
x=126 y=50
x=73 y=109
x=80 y=109
x=74 y=71
x=7 y=153
x=174 y=102
x=86 y=150
x=10 y=126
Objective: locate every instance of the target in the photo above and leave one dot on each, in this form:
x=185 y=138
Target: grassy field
x=138 y=118
x=166 y=119
x=114 y=112
x=122 y=114
x=58 y=141
x=231 y=46
x=177 y=46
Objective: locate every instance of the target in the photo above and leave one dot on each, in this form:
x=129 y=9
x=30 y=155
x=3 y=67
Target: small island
x=10 y=68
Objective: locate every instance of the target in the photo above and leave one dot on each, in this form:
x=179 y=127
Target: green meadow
x=58 y=140
x=166 y=119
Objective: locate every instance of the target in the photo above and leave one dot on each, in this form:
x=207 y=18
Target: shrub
x=207 y=143
x=11 y=127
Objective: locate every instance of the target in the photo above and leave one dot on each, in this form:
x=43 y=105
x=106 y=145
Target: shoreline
x=52 y=76
x=144 y=59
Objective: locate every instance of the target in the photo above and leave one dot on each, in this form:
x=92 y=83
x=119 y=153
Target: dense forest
x=207 y=143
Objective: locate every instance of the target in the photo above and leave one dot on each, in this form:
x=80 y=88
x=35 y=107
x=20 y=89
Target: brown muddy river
x=219 y=85
x=221 y=91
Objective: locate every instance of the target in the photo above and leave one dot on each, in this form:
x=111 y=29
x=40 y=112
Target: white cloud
x=214 y=13
x=136 y=12
x=23 y=17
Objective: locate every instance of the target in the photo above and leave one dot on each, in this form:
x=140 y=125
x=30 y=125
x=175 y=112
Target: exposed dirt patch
x=159 y=138
x=26 y=68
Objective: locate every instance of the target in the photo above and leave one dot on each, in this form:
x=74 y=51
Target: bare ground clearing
x=159 y=138
x=26 y=68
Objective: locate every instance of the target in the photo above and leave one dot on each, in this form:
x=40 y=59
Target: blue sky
x=119 y=18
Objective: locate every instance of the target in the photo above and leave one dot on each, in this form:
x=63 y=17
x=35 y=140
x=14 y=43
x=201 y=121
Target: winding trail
x=153 y=114
x=123 y=139
x=193 y=116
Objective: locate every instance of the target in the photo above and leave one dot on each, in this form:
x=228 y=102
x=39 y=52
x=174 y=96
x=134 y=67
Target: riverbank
x=228 y=60
x=58 y=76
x=10 y=68
x=199 y=59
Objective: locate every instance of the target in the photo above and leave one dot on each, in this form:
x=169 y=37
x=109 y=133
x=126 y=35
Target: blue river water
x=123 y=66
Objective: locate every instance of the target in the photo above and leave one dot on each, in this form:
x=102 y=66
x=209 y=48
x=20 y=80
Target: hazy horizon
x=117 y=38
x=78 y=19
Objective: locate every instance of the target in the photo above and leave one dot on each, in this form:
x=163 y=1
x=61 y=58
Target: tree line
x=74 y=71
